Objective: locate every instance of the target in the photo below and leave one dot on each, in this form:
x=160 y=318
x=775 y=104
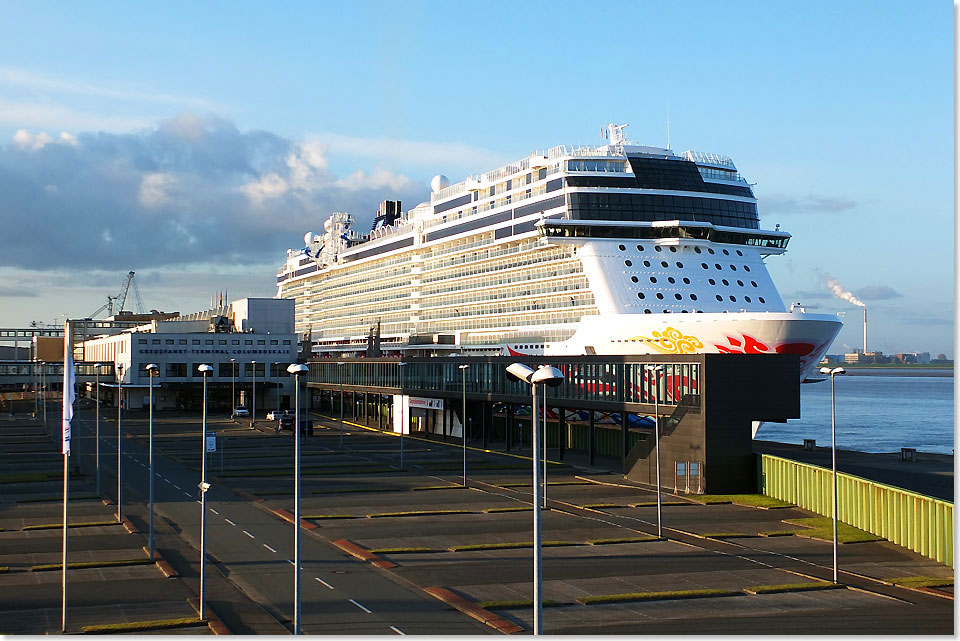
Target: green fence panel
x=917 y=522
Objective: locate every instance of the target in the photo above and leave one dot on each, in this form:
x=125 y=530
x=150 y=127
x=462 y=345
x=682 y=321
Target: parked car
x=285 y=422
x=241 y=411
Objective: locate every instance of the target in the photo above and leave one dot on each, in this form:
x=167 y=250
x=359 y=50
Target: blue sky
x=195 y=142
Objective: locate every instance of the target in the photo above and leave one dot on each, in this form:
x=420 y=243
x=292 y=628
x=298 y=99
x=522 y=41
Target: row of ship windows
x=663 y=263
x=698 y=250
x=686 y=281
x=733 y=299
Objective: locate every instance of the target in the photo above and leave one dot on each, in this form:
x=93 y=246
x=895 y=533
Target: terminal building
x=249 y=342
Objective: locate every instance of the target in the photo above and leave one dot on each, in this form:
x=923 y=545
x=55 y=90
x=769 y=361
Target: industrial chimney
x=864 y=330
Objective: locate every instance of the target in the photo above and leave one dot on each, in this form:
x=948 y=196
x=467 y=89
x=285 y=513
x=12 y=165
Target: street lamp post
x=233 y=387
x=119 y=440
x=403 y=426
x=152 y=372
x=546 y=375
x=204 y=486
x=657 y=369
x=297 y=370
x=463 y=423
x=833 y=446
x=97 y=432
x=340 y=371
x=253 y=394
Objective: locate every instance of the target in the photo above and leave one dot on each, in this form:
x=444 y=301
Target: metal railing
x=917 y=522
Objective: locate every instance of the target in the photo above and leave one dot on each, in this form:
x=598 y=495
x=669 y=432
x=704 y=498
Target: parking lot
x=603 y=564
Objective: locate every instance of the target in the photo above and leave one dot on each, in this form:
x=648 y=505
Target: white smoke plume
x=834 y=286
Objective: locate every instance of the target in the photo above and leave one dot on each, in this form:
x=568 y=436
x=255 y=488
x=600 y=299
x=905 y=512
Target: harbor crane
x=114 y=304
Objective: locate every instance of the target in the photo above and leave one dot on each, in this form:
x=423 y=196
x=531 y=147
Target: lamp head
x=549 y=375
x=463 y=367
x=653 y=368
x=151 y=367
x=839 y=370
x=519 y=372
x=204 y=369
x=297 y=368
x=824 y=370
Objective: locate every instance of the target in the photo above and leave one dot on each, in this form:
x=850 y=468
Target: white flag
x=68 y=392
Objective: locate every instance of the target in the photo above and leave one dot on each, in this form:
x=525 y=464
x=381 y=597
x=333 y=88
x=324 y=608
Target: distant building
x=912 y=357
x=858 y=356
x=249 y=343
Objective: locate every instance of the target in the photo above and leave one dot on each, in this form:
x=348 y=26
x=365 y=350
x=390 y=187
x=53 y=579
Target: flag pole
x=67 y=398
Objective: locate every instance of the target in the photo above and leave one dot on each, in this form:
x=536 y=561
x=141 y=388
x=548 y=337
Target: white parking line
x=248 y=534
x=211 y=509
x=269 y=548
x=324 y=582
x=165 y=480
x=186 y=494
x=290 y=561
x=397 y=630
x=359 y=606
x=227 y=520
x=176 y=486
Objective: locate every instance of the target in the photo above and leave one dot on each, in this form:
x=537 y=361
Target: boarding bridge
x=602 y=415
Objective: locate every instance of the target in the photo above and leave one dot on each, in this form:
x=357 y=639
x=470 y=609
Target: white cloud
x=153 y=188
x=23 y=139
x=265 y=187
x=15 y=113
x=377 y=179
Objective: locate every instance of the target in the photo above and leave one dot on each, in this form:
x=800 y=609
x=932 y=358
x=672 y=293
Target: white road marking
x=269 y=548
x=211 y=509
x=186 y=494
x=166 y=480
x=397 y=630
x=177 y=486
x=248 y=534
x=290 y=561
x=227 y=520
x=324 y=582
x=359 y=606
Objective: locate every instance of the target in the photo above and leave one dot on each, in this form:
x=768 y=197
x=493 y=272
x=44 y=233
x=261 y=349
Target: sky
x=193 y=143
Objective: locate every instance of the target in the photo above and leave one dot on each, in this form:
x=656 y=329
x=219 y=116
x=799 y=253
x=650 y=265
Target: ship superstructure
x=610 y=249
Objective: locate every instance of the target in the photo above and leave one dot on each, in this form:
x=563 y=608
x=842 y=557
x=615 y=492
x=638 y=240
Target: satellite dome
x=439 y=182
x=307 y=238
x=327 y=224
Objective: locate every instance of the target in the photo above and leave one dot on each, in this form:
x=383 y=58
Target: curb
x=129 y=527
x=364 y=555
x=213 y=621
x=287 y=516
x=483 y=615
x=165 y=568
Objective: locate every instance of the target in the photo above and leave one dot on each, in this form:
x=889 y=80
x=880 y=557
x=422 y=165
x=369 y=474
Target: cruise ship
x=612 y=249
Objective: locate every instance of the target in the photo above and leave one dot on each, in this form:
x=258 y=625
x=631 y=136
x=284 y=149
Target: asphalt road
x=255 y=550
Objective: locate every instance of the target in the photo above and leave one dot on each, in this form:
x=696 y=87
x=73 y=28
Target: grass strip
x=4 y=568
x=508 y=545
x=821 y=528
x=318 y=471
x=603 y=506
x=55 y=526
x=550 y=484
x=626 y=539
x=663 y=503
x=355 y=489
x=320 y=517
x=90 y=564
x=410 y=550
x=749 y=500
x=29 y=477
x=728 y=535
x=517 y=603
x=653 y=596
x=418 y=513
x=922 y=582
x=51 y=499
x=790 y=587
x=139 y=626
x=425 y=488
